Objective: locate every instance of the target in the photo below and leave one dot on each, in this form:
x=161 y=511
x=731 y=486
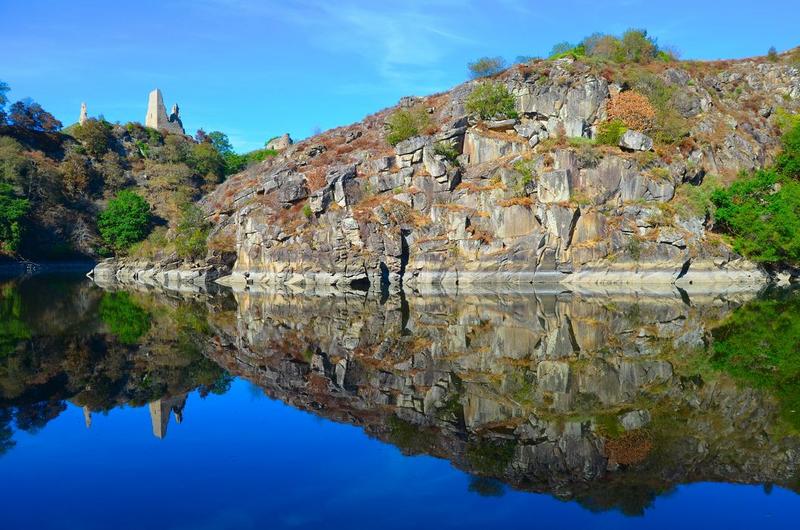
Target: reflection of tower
x=159 y=413
x=87 y=417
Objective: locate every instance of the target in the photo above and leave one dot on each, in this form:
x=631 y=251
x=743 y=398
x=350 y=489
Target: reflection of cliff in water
x=65 y=340
x=609 y=400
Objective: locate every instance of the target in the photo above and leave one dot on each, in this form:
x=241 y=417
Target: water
x=469 y=410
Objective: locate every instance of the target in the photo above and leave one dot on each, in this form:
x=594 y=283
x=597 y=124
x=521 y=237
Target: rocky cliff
x=528 y=199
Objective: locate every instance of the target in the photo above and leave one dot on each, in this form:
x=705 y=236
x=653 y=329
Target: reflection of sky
x=243 y=461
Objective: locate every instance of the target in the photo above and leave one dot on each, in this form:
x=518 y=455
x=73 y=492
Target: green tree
x=4 y=88
x=95 y=136
x=124 y=318
x=191 y=233
x=13 y=328
x=486 y=66
x=125 y=221
x=207 y=161
x=637 y=47
x=491 y=100
x=788 y=161
x=12 y=211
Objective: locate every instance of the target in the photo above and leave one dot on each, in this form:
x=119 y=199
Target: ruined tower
x=157 y=115
x=84 y=115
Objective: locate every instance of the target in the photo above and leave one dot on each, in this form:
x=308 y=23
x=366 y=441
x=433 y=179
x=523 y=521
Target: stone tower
x=157 y=115
x=84 y=115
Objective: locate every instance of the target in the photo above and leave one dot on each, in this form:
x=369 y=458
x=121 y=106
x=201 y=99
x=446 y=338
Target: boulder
x=636 y=141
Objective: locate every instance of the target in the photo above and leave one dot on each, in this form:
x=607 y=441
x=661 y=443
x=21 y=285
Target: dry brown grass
x=516 y=201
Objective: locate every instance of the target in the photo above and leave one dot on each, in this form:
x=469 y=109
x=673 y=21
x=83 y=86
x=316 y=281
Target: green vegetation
x=12 y=210
x=610 y=132
x=491 y=100
x=772 y=54
x=95 y=136
x=191 y=233
x=490 y=457
x=634 y=46
x=13 y=328
x=124 y=318
x=125 y=221
x=486 y=66
x=446 y=150
x=761 y=211
x=667 y=126
x=758 y=345
x=407 y=123
x=307 y=212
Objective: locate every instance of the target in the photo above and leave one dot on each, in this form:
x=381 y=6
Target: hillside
x=550 y=189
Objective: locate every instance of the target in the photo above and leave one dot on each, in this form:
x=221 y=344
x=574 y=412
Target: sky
x=256 y=69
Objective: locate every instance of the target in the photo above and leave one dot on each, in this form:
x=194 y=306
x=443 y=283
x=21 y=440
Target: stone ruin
x=279 y=143
x=84 y=115
x=157 y=117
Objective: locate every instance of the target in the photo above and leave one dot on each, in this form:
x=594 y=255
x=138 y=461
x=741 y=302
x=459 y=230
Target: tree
x=4 y=88
x=125 y=221
x=76 y=173
x=95 y=136
x=207 y=161
x=772 y=54
x=486 y=66
x=561 y=48
x=12 y=210
x=28 y=114
x=191 y=233
x=637 y=47
x=491 y=100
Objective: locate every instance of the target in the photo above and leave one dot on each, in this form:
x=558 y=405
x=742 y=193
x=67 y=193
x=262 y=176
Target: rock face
x=157 y=117
x=514 y=200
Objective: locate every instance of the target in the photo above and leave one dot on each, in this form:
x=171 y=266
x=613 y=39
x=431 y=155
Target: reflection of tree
x=12 y=328
x=123 y=317
x=759 y=344
x=155 y=350
x=487 y=487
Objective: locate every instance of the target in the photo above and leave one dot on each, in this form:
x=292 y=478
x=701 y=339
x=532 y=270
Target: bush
x=95 y=136
x=406 y=123
x=125 y=221
x=762 y=214
x=632 y=109
x=610 y=132
x=637 y=47
x=491 y=100
x=486 y=66
x=668 y=125
x=772 y=54
x=207 y=162
x=191 y=233
x=446 y=150
x=12 y=211
x=788 y=162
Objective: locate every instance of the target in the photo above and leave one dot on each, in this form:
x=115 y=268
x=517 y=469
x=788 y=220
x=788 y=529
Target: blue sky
x=255 y=69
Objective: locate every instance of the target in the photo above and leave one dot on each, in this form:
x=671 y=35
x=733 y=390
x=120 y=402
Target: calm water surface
x=136 y=409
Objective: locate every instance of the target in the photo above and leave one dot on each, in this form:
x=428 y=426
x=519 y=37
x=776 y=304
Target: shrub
x=207 y=162
x=446 y=150
x=668 y=125
x=566 y=49
x=406 y=123
x=95 y=136
x=125 y=221
x=772 y=54
x=191 y=232
x=486 y=66
x=491 y=100
x=788 y=161
x=12 y=211
x=307 y=212
x=610 y=132
x=632 y=109
x=637 y=47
